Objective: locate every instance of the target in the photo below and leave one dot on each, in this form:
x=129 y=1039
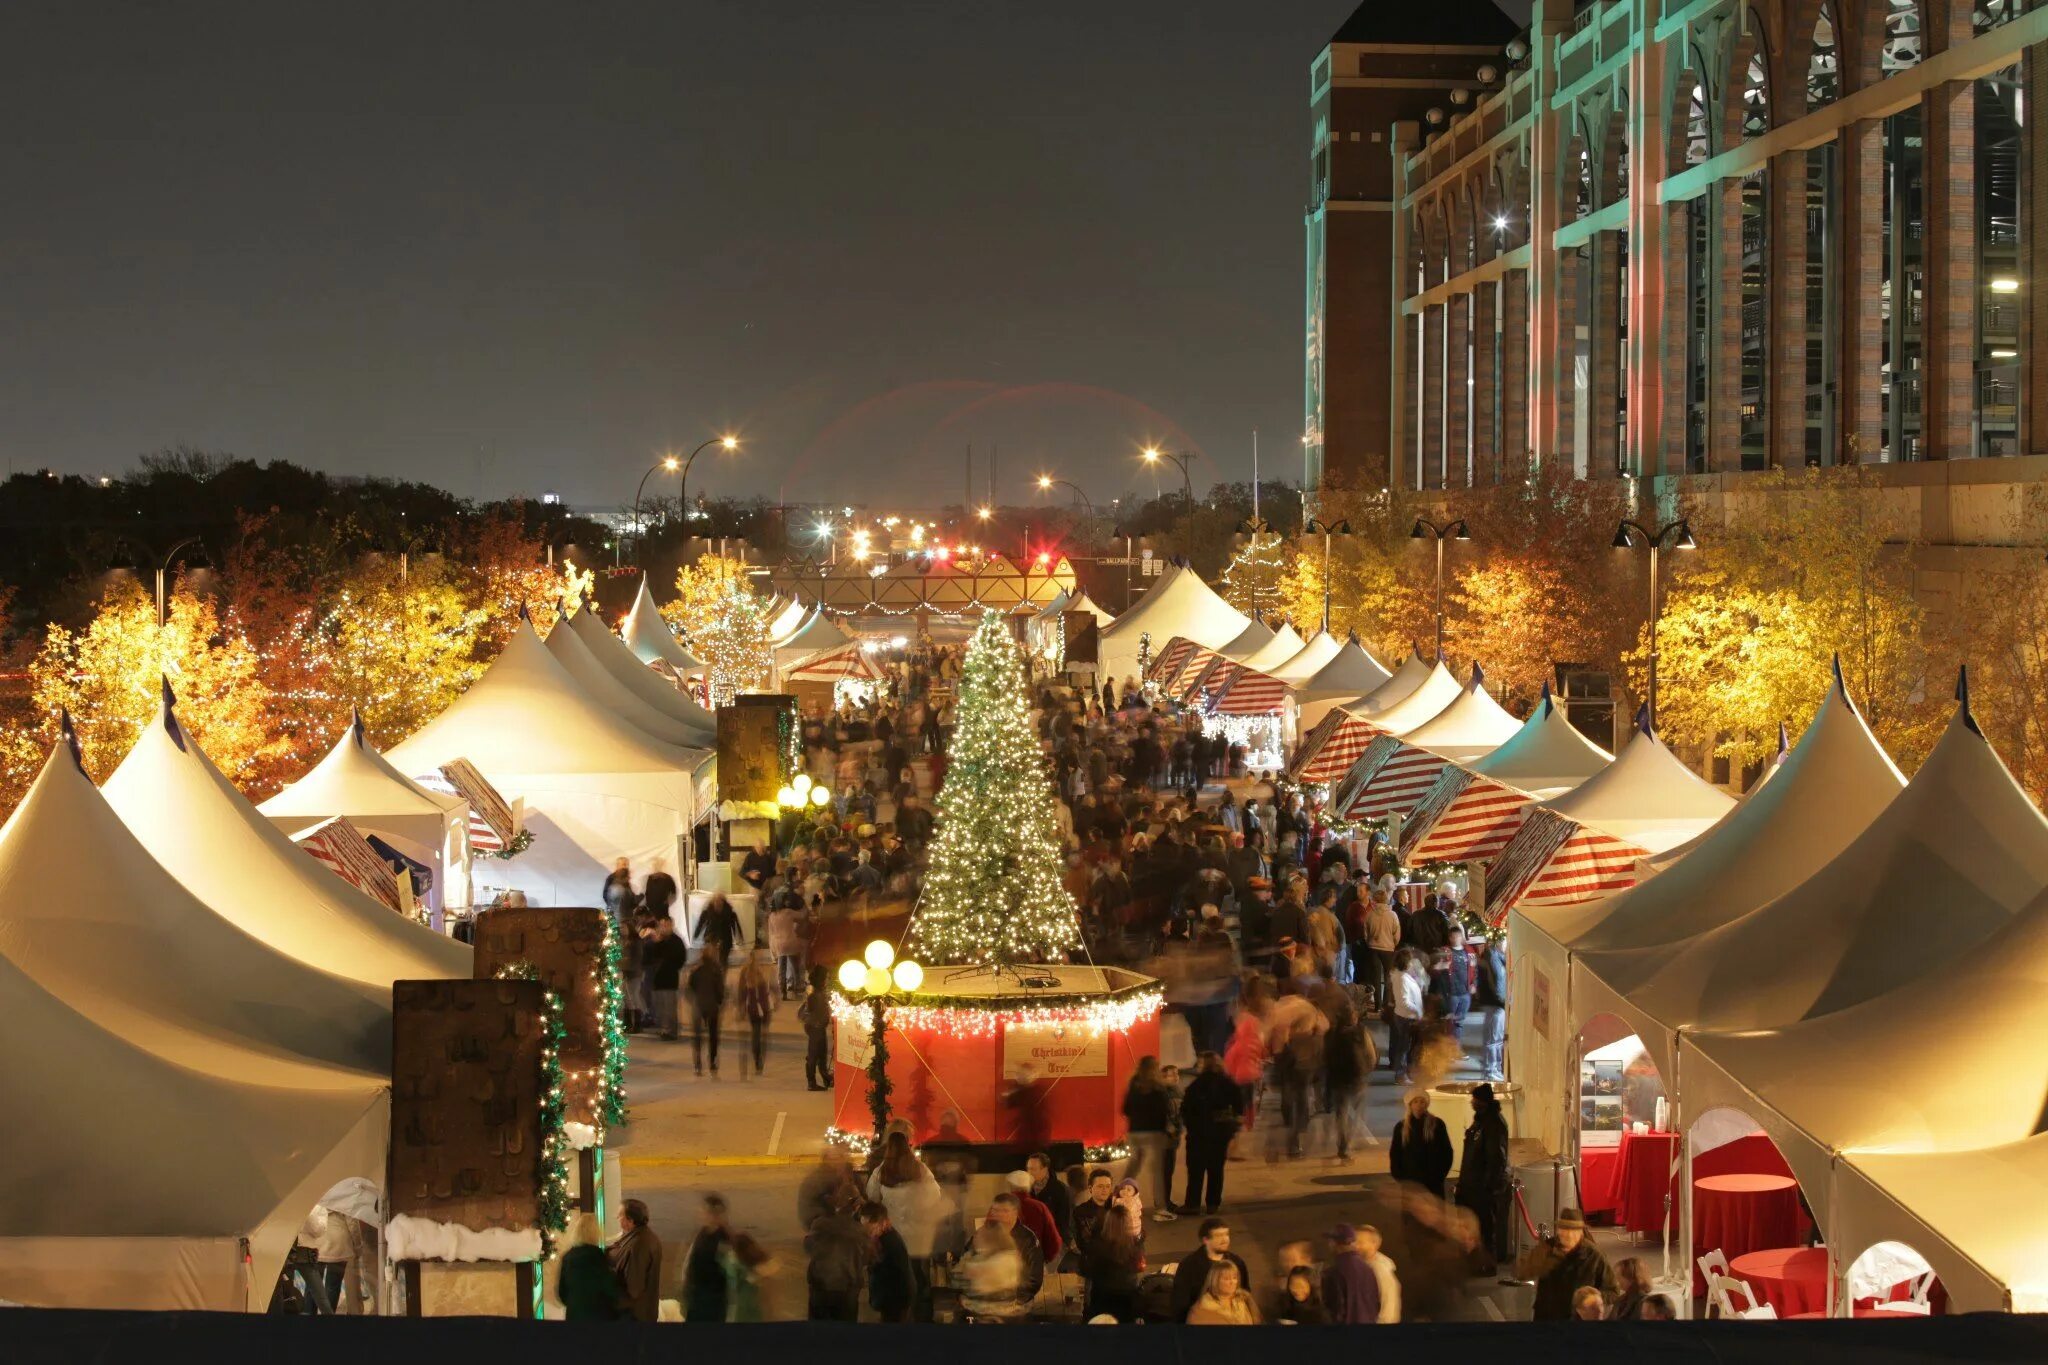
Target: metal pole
x=160 y=615
x=1326 y=582
x=1653 y=633
x=1439 y=594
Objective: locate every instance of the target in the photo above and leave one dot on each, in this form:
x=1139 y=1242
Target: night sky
x=513 y=247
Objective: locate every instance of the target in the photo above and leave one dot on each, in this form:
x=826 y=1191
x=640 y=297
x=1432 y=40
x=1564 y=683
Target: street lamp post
x=1452 y=530
x=670 y=464
x=1339 y=527
x=1046 y=483
x=1680 y=534
x=1153 y=455
x=880 y=976
x=163 y=574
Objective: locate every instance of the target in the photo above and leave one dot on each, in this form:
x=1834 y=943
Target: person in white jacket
x=1383 y=1271
x=910 y=1192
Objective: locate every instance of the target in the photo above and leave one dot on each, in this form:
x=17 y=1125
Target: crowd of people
x=1300 y=963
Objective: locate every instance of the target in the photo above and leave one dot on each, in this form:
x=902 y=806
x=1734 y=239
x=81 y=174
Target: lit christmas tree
x=993 y=894
x=1253 y=581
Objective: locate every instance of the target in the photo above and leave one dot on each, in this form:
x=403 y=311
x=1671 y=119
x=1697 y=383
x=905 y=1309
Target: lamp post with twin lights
x=1679 y=533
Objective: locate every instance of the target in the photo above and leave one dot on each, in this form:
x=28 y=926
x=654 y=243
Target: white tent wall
x=579 y=833
x=1179 y=603
x=639 y=679
x=1541 y=1038
x=608 y=691
x=1962 y=1211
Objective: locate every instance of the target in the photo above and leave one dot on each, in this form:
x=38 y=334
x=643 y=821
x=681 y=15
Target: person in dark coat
x=707 y=1003
x=1573 y=1263
x=838 y=1250
x=1351 y=1292
x=892 y=1284
x=587 y=1288
x=704 y=1282
x=1048 y=1189
x=636 y=1260
x=1211 y=1110
x=660 y=892
x=1484 y=1176
x=1110 y=1264
x=719 y=925
x=1191 y=1276
x=1420 y=1153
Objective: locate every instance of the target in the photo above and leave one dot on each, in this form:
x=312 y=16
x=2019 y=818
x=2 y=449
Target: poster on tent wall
x=340 y=847
x=487 y=806
x=755 y=746
x=565 y=946
x=465 y=1103
x=1081 y=644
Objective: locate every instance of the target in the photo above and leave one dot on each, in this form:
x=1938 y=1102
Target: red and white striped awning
x=1251 y=693
x=1170 y=659
x=1193 y=683
x=1327 y=752
x=1403 y=777
x=1464 y=818
x=848 y=663
x=1554 y=860
x=339 y=846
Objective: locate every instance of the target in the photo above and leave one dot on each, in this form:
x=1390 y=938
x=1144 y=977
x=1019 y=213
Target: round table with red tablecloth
x=1743 y=1211
x=1793 y=1280
x=1645 y=1177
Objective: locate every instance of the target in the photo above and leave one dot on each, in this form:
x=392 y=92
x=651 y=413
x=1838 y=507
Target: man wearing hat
x=1351 y=1291
x=1574 y=1264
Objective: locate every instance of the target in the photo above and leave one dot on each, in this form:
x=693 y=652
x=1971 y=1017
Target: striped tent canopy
x=1402 y=777
x=1345 y=790
x=849 y=663
x=1250 y=693
x=1327 y=752
x=1463 y=818
x=1554 y=860
x=1204 y=674
x=1167 y=663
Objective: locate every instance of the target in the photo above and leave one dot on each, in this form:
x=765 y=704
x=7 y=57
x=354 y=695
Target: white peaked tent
x=615 y=695
x=1254 y=637
x=1412 y=673
x=1284 y=645
x=1393 y=776
x=1651 y=864
x=356 y=781
x=1960 y=1210
x=642 y=681
x=814 y=636
x=1828 y=790
x=1350 y=674
x=91 y=918
x=131 y=1181
x=596 y=788
x=1307 y=661
x=1084 y=602
x=1903 y=1072
x=786 y=621
x=1043 y=632
x=1180 y=603
x=649 y=637
x=1962 y=843
x=205 y=833
x=1547 y=757
x=1471 y=726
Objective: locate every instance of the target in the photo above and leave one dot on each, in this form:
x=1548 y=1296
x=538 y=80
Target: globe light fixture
x=853 y=974
x=820 y=797
x=880 y=954
x=909 y=976
x=803 y=784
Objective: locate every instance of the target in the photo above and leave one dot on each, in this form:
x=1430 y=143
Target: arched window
x=1901 y=35
x=1823 y=62
x=1698 y=145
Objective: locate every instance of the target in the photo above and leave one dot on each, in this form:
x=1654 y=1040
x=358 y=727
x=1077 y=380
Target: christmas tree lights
x=993 y=894
x=1254 y=580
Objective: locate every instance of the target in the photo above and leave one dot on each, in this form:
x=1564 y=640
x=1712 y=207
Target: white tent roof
x=1284 y=645
x=1350 y=673
x=649 y=637
x=1937 y=870
x=1180 y=603
x=1547 y=756
x=206 y=834
x=1646 y=796
x=789 y=620
x=1255 y=636
x=1051 y=610
x=616 y=659
x=1470 y=724
x=528 y=715
x=1086 y=603
x=88 y=915
x=1410 y=675
x=1961 y=1211
x=1306 y=662
x=608 y=690
x=353 y=780
x=820 y=632
x=162 y=1167
x=1829 y=789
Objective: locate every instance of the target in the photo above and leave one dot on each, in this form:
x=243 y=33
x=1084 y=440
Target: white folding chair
x=1914 y=1305
x=1712 y=1266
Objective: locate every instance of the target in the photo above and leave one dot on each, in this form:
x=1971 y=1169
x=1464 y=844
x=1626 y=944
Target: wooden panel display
x=565 y=945
x=465 y=1102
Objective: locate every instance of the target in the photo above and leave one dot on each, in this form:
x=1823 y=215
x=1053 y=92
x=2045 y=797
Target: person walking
x=719 y=926
x=1351 y=1291
x=908 y=1191
x=663 y=960
x=755 y=1004
x=1110 y=1263
x=705 y=1285
x=1420 y=1153
x=588 y=1289
x=707 y=1000
x=1211 y=1110
x=815 y=1014
x=1383 y=941
x=837 y=1273
x=1566 y=1263
x=786 y=938
x=636 y=1261
x=1406 y=1019
x=1148 y=1113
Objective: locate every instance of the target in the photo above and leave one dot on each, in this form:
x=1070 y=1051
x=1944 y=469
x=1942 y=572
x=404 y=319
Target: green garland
x=521 y=842
x=1002 y=1004
x=612 y=1109
x=555 y=1147
x=880 y=1087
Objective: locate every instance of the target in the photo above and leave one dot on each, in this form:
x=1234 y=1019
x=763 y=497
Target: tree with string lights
x=993 y=893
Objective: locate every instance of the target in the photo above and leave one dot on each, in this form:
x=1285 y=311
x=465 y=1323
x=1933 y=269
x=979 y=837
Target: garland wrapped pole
x=993 y=894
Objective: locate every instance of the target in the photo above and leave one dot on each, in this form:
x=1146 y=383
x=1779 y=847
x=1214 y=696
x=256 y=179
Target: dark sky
x=510 y=247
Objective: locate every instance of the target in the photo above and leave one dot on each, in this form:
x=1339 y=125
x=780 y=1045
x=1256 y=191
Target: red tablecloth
x=1599 y=1168
x=1742 y=1212
x=1793 y=1280
x=1644 y=1179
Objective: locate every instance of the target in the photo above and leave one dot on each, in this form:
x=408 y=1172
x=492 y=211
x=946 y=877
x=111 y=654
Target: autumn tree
x=109 y=676
x=2002 y=633
x=399 y=644
x=1374 y=592
x=726 y=624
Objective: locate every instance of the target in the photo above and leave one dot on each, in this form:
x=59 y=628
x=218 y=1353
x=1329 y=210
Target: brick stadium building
x=1659 y=239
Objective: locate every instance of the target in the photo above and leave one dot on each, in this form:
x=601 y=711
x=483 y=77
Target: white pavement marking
x=1492 y=1308
x=775 y=1133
